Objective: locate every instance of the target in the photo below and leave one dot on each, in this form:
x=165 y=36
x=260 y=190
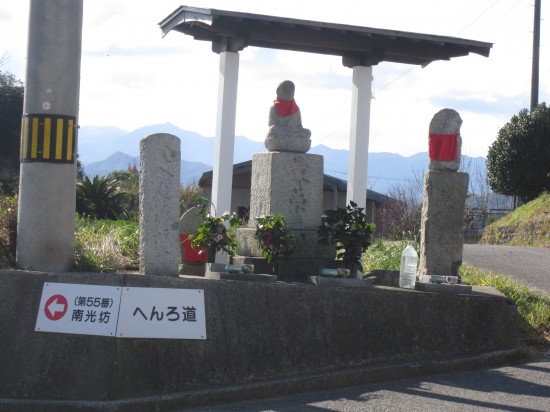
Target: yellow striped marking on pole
x=59 y=140
x=48 y=138
x=34 y=140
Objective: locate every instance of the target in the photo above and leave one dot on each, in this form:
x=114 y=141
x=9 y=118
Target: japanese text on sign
x=122 y=312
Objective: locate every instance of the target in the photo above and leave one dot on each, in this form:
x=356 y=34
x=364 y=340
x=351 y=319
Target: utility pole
x=536 y=49
x=47 y=188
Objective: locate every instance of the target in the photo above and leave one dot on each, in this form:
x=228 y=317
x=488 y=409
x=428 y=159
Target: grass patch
x=106 y=245
x=385 y=255
x=533 y=307
x=528 y=225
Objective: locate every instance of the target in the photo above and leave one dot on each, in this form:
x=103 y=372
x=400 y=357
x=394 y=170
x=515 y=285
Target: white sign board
x=79 y=309
x=162 y=313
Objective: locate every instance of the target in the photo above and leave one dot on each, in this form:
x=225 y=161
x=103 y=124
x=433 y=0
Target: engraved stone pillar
x=290 y=184
x=442 y=242
x=159 y=192
x=445 y=191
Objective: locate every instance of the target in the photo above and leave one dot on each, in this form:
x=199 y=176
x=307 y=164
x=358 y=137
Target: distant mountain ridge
x=105 y=149
x=190 y=172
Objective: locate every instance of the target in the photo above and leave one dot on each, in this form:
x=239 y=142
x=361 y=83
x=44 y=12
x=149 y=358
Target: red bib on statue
x=443 y=147
x=285 y=107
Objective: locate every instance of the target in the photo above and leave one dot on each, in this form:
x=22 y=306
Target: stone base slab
x=338 y=337
x=340 y=282
x=187 y=269
x=442 y=288
x=293 y=270
x=248 y=277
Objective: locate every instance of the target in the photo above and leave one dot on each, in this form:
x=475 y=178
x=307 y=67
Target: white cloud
x=132 y=77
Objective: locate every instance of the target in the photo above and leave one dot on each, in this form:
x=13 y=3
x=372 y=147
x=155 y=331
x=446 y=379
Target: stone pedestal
x=290 y=184
x=442 y=219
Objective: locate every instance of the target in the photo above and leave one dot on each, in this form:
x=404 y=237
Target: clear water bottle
x=407 y=270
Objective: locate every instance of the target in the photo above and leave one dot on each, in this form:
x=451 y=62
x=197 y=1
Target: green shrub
x=8 y=229
x=275 y=238
x=348 y=230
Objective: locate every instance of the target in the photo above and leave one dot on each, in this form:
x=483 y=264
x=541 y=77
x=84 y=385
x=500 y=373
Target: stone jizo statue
x=445 y=141
x=286 y=133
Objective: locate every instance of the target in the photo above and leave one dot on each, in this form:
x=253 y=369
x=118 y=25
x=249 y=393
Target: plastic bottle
x=407 y=270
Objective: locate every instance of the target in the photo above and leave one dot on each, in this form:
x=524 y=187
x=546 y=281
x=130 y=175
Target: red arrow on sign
x=56 y=307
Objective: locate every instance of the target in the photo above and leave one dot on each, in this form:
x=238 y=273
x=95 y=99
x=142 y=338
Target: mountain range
x=105 y=149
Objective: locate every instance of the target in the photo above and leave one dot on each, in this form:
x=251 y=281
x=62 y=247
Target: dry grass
x=106 y=245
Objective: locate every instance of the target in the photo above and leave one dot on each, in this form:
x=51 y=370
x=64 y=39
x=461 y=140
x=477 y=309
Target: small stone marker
x=445 y=192
x=159 y=191
x=189 y=222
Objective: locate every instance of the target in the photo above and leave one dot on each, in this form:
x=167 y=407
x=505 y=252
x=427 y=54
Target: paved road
x=523 y=388
x=529 y=265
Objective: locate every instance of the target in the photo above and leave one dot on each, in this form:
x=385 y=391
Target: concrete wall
x=256 y=333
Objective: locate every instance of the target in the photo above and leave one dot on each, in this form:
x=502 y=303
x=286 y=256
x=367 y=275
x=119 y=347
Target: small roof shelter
x=359 y=47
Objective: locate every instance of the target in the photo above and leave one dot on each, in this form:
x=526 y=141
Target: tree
x=518 y=161
x=11 y=109
x=127 y=183
x=401 y=216
x=99 y=198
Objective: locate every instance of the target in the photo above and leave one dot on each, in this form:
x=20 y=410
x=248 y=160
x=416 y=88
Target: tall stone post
x=445 y=192
x=159 y=207
x=47 y=191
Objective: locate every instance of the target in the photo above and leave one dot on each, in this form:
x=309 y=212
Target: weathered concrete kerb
x=262 y=340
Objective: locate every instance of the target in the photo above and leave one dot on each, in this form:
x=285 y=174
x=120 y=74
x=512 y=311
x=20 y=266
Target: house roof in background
x=329 y=182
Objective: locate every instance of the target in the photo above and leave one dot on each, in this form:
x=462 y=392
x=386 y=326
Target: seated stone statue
x=286 y=133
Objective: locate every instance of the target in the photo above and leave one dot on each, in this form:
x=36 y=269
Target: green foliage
x=212 y=232
x=99 y=198
x=106 y=245
x=127 y=184
x=276 y=240
x=11 y=109
x=347 y=229
x=518 y=161
x=8 y=229
x=533 y=307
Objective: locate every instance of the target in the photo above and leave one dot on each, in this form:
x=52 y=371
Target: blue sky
x=132 y=77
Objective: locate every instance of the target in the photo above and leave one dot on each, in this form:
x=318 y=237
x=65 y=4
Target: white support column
x=222 y=179
x=222 y=174
x=359 y=135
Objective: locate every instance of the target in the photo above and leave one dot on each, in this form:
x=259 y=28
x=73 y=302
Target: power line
x=478 y=17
